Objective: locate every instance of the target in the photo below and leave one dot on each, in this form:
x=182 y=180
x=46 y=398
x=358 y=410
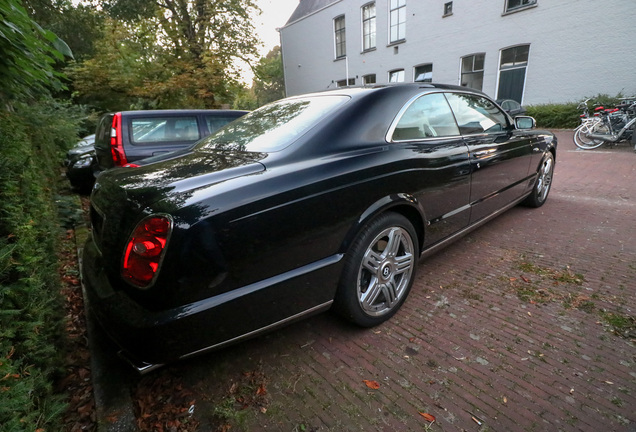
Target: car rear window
x=217 y=122
x=163 y=129
x=274 y=126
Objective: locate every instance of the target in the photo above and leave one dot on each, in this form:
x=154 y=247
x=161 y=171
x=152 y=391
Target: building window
x=473 y=71
x=343 y=83
x=448 y=9
x=512 y=5
x=340 y=37
x=368 y=79
x=397 y=21
x=368 y=26
x=423 y=73
x=396 y=76
x=512 y=72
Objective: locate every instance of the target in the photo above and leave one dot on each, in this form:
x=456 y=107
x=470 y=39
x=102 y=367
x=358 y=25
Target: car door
x=427 y=130
x=499 y=158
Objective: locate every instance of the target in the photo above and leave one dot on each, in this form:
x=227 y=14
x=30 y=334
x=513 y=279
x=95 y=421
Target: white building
x=534 y=51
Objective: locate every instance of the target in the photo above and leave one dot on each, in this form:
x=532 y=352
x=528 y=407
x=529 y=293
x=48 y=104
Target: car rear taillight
x=116 y=145
x=145 y=250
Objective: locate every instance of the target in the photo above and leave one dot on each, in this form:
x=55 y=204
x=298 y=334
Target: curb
x=110 y=378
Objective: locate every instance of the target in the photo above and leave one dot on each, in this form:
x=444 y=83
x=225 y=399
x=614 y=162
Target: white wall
x=577 y=47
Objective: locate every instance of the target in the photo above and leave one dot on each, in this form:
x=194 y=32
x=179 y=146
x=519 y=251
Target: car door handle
x=482 y=153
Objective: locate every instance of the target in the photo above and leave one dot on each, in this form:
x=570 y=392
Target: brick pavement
x=509 y=325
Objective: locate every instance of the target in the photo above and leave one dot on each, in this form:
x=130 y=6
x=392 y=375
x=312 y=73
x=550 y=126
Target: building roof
x=307 y=7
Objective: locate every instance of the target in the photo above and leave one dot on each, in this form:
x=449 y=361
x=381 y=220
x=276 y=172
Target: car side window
x=158 y=129
x=476 y=114
x=428 y=116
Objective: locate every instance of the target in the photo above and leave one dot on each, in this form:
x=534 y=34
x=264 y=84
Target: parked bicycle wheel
x=583 y=141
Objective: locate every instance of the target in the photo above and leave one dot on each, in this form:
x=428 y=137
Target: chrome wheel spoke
x=370 y=296
x=391 y=293
x=372 y=261
x=403 y=263
x=394 y=243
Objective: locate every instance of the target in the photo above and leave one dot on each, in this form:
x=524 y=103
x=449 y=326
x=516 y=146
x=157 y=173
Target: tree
x=79 y=25
x=109 y=80
x=29 y=53
x=269 y=82
x=191 y=60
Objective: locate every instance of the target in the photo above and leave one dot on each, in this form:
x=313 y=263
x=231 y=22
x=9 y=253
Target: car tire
x=379 y=271
x=542 y=185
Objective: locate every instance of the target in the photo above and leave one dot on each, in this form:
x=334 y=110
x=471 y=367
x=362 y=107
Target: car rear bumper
x=149 y=337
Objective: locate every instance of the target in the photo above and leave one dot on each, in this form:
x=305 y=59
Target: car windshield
x=274 y=126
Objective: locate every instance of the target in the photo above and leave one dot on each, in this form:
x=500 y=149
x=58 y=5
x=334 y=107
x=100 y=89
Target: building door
x=512 y=72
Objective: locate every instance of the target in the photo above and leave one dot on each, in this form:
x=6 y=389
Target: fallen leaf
x=372 y=384
x=525 y=279
x=505 y=400
x=428 y=417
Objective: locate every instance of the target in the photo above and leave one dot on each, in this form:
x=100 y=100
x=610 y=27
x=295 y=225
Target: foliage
x=167 y=54
x=566 y=116
x=31 y=318
x=555 y=116
x=269 y=83
x=122 y=59
x=78 y=25
x=244 y=99
x=28 y=54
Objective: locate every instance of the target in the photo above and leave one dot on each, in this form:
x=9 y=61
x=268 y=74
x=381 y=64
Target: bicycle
x=589 y=124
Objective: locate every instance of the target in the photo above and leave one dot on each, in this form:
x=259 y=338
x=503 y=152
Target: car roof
x=182 y=112
x=416 y=87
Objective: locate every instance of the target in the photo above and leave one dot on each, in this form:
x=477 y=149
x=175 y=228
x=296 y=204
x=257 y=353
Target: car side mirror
x=525 y=122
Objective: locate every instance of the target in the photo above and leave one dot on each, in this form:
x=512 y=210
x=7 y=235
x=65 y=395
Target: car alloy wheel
x=379 y=270
x=542 y=185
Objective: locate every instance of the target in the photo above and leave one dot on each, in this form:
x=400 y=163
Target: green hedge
x=31 y=308
x=566 y=116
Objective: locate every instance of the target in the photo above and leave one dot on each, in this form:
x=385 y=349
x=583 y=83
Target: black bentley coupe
x=311 y=202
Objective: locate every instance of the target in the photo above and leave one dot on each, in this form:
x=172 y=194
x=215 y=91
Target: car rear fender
x=402 y=203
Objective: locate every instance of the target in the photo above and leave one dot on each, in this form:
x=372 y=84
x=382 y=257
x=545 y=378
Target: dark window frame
x=369 y=27
x=343 y=82
x=395 y=8
x=340 y=36
x=368 y=76
x=448 y=9
x=511 y=6
x=397 y=71
x=423 y=65
x=473 y=70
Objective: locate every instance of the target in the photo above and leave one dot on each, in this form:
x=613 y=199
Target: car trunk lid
x=123 y=196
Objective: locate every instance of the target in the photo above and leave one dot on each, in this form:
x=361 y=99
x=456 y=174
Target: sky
x=275 y=15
